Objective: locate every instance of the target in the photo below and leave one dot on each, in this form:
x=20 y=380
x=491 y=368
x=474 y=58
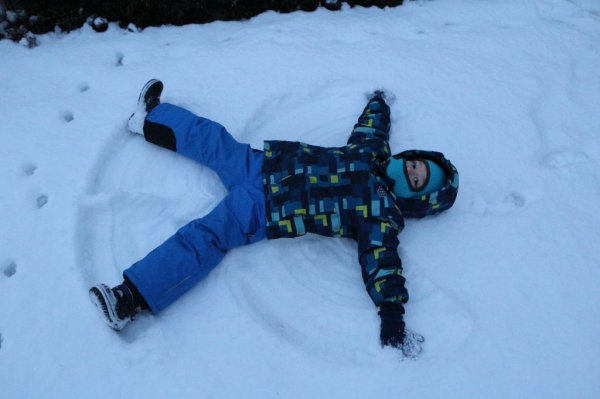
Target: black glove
x=393 y=332
x=378 y=95
x=392 y=325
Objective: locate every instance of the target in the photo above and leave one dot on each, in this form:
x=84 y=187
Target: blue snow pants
x=193 y=251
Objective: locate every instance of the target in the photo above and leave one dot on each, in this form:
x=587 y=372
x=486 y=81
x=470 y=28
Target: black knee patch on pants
x=161 y=135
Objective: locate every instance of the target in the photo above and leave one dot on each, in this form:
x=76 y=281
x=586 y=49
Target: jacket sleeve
x=373 y=123
x=380 y=262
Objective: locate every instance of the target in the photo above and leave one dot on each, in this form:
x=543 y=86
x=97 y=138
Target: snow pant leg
x=200 y=139
x=189 y=255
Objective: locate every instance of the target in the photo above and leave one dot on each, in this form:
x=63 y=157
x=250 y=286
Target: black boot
x=117 y=305
x=148 y=99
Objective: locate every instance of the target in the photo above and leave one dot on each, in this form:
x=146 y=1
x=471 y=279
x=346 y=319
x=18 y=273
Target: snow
x=504 y=286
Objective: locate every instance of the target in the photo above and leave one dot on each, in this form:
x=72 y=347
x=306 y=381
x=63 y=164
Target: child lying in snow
x=357 y=191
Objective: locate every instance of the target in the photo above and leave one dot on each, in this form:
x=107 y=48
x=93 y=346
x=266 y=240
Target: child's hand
x=394 y=334
x=392 y=325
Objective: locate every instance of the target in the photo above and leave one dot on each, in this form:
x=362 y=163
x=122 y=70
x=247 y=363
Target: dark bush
x=41 y=16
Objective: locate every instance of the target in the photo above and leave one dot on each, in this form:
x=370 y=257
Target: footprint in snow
x=515 y=200
x=83 y=87
x=10 y=269
x=41 y=201
x=67 y=116
x=29 y=169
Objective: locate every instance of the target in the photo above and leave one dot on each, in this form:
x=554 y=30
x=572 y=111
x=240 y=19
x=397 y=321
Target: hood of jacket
x=437 y=201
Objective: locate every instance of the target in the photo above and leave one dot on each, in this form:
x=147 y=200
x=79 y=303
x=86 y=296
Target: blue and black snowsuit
x=287 y=190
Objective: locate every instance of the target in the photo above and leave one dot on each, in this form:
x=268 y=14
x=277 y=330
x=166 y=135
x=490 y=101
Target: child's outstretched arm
x=380 y=262
x=382 y=274
x=373 y=123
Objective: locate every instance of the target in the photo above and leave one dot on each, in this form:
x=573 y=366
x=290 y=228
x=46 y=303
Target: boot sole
x=99 y=296
x=142 y=97
x=135 y=123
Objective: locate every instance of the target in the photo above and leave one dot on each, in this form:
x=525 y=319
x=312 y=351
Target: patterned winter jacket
x=341 y=192
x=345 y=192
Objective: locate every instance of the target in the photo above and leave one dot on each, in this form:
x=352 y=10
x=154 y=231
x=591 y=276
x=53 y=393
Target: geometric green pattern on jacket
x=341 y=192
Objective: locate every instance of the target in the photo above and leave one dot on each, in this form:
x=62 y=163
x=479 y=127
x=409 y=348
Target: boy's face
x=417 y=173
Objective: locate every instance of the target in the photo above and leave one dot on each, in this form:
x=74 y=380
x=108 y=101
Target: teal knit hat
x=396 y=169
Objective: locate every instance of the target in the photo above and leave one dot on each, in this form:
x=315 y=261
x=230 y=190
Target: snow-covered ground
x=504 y=286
